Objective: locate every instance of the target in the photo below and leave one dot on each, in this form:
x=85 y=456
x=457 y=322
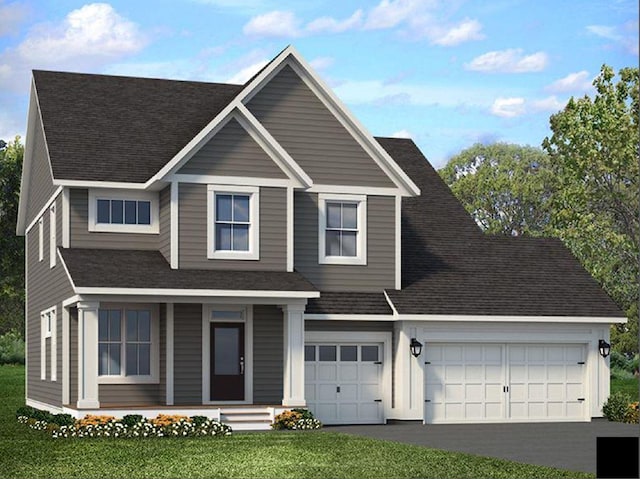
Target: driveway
x=563 y=445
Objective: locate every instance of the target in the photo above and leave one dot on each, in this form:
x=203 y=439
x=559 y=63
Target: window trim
x=107 y=194
x=53 y=235
x=154 y=367
x=41 y=238
x=254 y=223
x=361 y=201
x=48 y=330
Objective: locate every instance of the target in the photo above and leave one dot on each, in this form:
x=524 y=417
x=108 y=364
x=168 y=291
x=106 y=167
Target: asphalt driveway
x=563 y=445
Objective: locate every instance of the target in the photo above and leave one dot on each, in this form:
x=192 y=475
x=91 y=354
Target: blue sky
x=445 y=73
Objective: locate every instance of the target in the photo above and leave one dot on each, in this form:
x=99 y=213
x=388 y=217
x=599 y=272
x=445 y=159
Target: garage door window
x=327 y=353
x=369 y=353
x=309 y=353
x=348 y=353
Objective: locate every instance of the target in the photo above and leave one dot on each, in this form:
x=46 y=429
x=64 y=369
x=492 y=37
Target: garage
x=471 y=382
x=343 y=382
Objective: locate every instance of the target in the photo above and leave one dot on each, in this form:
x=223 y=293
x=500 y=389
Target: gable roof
x=449 y=266
x=121 y=129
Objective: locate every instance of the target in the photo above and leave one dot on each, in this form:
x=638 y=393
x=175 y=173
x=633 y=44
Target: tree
x=505 y=187
x=11 y=246
x=594 y=157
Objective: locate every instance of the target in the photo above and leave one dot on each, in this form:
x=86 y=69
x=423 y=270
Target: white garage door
x=500 y=382
x=343 y=382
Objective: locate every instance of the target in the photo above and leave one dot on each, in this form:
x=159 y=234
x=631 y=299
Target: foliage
x=615 y=408
x=619 y=373
x=296 y=419
x=130 y=426
x=632 y=415
x=627 y=386
x=11 y=246
x=11 y=347
x=506 y=187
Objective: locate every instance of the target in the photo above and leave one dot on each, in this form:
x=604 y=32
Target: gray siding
x=232 y=152
x=46 y=288
x=164 y=239
x=310 y=133
x=377 y=274
x=314 y=325
x=40 y=180
x=81 y=237
x=193 y=231
x=187 y=362
x=267 y=354
x=116 y=395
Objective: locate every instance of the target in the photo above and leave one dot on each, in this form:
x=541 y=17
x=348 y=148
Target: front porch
x=237 y=360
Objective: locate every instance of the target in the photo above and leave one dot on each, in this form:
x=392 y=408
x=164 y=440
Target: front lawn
x=629 y=386
x=28 y=453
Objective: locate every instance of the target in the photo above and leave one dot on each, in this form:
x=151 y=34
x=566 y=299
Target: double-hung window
x=342 y=229
x=233 y=222
x=121 y=211
x=48 y=341
x=127 y=344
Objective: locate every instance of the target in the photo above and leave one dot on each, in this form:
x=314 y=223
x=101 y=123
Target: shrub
x=618 y=373
x=11 y=348
x=304 y=413
x=62 y=419
x=296 y=419
x=619 y=361
x=615 y=409
x=632 y=415
x=25 y=411
x=131 y=419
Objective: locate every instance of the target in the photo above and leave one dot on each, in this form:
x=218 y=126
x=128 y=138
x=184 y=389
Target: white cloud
x=466 y=31
x=331 y=25
x=402 y=134
x=508 y=61
x=578 y=81
x=321 y=63
x=247 y=72
x=277 y=23
x=549 y=104
x=390 y=13
x=604 y=31
x=12 y=14
x=508 y=107
x=624 y=36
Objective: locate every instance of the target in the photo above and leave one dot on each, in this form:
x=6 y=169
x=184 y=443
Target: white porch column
x=88 y=355
x=169 y=356
x=293 y=356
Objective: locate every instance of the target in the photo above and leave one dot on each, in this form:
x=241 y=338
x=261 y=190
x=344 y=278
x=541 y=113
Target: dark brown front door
x=227 y=361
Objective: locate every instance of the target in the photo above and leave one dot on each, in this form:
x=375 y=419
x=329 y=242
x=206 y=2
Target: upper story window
x=233 y=222
x=120 y=211
x=342 y=229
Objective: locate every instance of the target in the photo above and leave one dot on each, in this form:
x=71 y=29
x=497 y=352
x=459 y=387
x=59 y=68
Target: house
x=238 y=250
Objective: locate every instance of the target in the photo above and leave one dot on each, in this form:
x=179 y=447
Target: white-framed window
x=342 y=229
x=41 y=239
x=48 y=339
x=123 y=211
x=52 y=236
x=233 y=223
x=128 y=344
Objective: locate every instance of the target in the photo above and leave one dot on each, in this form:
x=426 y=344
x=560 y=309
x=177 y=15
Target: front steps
x=247 y=418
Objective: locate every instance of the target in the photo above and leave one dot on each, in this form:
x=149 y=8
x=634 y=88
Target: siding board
x=164 y=239
x=377 y=274
x=310 y=133
x=40 y=180
x=193 y=231
x=232 y=152
x=268 y=338
x=187 y=361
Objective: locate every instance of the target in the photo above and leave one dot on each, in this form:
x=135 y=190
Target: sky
x=447 y=74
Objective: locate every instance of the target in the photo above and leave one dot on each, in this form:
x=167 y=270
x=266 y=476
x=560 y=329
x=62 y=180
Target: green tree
x=11 y=246
x=594 y=157
x=506 y=187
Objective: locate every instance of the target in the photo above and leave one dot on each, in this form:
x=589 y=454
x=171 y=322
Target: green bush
x=615 y=409
x=304 y=413
x=62 y=420
x=619 y=361
x=199 y=420
x=11 y=348
x=619 y=373
x=132 y=419
x=26 y=411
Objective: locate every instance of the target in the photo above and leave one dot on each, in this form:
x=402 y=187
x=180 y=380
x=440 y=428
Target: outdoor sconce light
x=416 y=347
x=604 y=347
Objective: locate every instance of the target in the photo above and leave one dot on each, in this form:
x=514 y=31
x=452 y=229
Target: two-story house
x=237 y=250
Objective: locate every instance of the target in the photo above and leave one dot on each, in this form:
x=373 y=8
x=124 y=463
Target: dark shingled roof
x=99 y=268
x=349 y=303
x=449 y=266
x=122 y=128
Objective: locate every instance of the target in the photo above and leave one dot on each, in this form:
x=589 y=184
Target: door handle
x=241 y=365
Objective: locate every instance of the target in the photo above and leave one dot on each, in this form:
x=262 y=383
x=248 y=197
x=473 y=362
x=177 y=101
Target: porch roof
x=349 y=303
x=135 y=269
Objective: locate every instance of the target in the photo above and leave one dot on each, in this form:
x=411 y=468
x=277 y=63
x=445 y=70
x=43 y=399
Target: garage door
x=343 y=382
x=504 y=382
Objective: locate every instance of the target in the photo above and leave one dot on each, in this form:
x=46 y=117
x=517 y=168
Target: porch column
x=293 y=355
x=88 y=355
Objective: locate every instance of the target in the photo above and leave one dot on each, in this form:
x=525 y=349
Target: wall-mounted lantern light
x=604 y=347
x=416 y=347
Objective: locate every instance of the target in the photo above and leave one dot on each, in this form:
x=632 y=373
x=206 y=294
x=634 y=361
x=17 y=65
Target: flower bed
x=296 y=419
x=619 y=408
x=132 y=426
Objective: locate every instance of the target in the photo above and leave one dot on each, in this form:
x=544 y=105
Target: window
x=123 y=211
x=48 y=341
x=127 y=345
x=41 y=239
x=52 y=236
x=233 y=222
x=342 y=229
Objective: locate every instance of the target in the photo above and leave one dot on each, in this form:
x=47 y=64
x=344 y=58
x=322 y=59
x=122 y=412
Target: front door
x=227 y=361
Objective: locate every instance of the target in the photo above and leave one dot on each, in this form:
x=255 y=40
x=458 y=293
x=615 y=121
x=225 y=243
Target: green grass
x=28 y=453
x=629 y=386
